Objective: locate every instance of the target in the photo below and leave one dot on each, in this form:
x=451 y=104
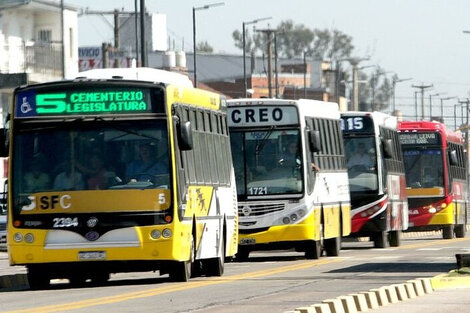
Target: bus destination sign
x=33 y=103
x=357 y=124
x=262 y=116
x=419 y=138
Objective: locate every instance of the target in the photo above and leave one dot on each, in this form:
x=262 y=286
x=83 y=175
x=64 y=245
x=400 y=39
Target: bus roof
x=423 y=126
x=380 y=119
x=139 y=73
x=306 y=107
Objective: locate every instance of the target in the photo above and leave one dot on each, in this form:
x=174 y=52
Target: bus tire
x=37 y=278
x=215 y=266
x=242 y=254
x=448 y=232
x=460 y=230
x=380 y=239
x=332 y=246
x=313 y=250
x=181 y=270
x=395 y=238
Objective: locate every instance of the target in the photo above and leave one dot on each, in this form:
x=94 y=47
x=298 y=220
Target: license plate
x=92 y=255
x=247 y=241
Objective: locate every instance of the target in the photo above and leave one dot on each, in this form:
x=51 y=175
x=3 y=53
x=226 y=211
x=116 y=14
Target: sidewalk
x=11 y=276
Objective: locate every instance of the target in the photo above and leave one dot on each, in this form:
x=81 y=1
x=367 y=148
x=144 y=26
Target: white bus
x=377 y=186
x=290 y=169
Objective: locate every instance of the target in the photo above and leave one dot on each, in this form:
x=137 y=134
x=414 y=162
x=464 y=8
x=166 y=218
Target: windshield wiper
x=260 y=145
x=124 y=130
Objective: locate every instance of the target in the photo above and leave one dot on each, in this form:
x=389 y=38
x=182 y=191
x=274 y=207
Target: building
x=31 y=44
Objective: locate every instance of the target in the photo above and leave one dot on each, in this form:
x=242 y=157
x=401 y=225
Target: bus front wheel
x=460 y=230
x=313 y=250
x=332 y=246
x=448 y=232
x=380 y=239
x=181 y=270
x=395 y=238
x=37 y=278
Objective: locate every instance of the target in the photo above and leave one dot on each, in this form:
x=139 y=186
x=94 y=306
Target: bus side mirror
x=185 y=136
x=3 y=142
x=387 y=148
x=453 y=157
x=314 y=140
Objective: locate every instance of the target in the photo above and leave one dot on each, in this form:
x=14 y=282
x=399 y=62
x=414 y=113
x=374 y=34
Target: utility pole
x=269 y=33
x=422 y=87
x=116 y=28
x=143 y=43
x=62 y=36
x=396 y=80
x=355 y=73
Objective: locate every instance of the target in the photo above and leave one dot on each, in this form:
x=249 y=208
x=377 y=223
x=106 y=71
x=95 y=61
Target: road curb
x=377 y=297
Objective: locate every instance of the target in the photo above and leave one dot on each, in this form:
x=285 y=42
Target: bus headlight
x=29 y=238
x=444 y=205
x=166 y=233
x=17 y=237
x=300 y=213
x=293 y=217
x=432 y=210
x=155 y=234
x=286 y=220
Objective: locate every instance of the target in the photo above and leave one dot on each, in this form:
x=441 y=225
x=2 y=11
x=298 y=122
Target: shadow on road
x=397 y=267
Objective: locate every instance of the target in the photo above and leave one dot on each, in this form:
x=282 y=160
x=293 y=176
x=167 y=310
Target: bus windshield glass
x=423 y=167
x=362 y=163
x=267 y=162
x=99 y=155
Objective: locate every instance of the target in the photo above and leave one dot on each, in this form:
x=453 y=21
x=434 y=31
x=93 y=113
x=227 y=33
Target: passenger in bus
x=69 y=179
x=361 y=159
x=148 y=166
x=99 y=176
x=36 y=180
x=291 y=157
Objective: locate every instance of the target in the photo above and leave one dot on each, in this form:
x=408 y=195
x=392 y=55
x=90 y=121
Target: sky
x=418 y=39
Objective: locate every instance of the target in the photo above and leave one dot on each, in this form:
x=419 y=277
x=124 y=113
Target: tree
x=252 y=42
x=204 y=46
x=375 y=95
x=293 y=40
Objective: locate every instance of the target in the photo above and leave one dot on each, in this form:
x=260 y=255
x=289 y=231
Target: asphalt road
x=268 y=282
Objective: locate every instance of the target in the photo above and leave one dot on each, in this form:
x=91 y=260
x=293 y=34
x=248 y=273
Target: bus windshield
x=90 y=156
x=362 y=164
x=423 y=167
x=267 y=162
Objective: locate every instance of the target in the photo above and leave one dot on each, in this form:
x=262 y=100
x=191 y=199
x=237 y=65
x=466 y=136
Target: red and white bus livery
x=436 y=179
x=379 y=207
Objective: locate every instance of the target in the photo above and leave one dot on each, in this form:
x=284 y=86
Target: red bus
x=436 y=178
x=379 y=207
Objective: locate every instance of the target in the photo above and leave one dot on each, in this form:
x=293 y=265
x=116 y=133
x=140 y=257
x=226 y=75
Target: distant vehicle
x=436 y=181
x=379 y=207
x=164 y=199
x=292 y=182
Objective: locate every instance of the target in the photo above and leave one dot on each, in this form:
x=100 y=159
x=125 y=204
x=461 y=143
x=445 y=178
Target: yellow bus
x=119 y=170
x=291 y=175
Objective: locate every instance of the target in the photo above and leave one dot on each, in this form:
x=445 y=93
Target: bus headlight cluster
x=157 y=234
x=370 y=211
x=28 y=238
x=432 y=209
x=293 y=217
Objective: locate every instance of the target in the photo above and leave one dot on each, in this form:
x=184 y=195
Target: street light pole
x=245 y=85
x=442 y=106
x=430 y=103
x=204 y=7
x=396 y=80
